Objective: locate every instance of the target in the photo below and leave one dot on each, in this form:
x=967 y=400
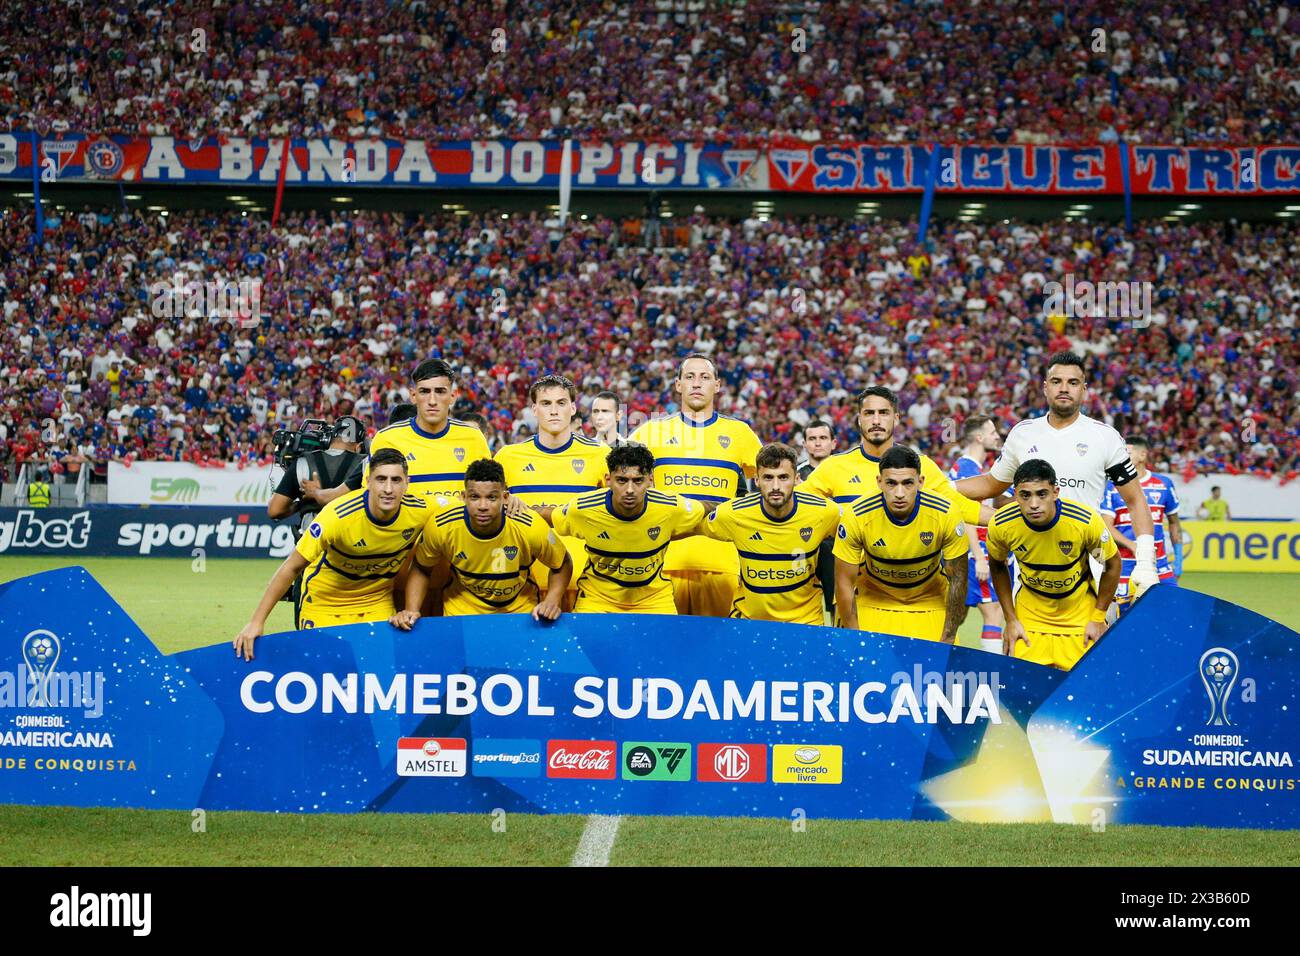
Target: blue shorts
x=977 y=591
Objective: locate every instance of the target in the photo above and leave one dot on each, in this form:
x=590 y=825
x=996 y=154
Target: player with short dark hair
x=1056 y=613
x=625 y=530
x=604 y=418
x=707 y=457
x=777 y=532
x=818 y=445
x=901 y=556
x=435 y=446
x=355 y=548
x=486 y=555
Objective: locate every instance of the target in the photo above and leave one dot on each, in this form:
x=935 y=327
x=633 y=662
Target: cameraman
x=316 y=478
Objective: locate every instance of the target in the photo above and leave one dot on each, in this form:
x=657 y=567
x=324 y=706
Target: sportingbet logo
x=29 y=531
x=807 y=763
x=733 y=763
x=431 y=757
x=276 y=540
x=507 y=758
x=580 y=759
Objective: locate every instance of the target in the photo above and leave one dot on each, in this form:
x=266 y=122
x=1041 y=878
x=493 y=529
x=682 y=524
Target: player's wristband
x=1146 y=548
x=1098 y=616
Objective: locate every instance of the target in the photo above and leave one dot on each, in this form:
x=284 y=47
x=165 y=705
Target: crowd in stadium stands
x=801 y=314
x=1002 y=71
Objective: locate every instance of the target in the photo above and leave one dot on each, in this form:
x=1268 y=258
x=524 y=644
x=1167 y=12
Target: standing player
x=1215 y=507
x=626 y=530
x=777 y=533
x=900 y=556
x=979 y=437
x=1162 y=501
x=489 y=555
x=604 y=419
x=818 y=445
x=706 y=457
x=435 y=446
x=1056 y=613
x=1083 y=453
x=556 y=465
x=355 y=548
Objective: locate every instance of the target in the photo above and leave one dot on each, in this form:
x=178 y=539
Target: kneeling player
x=489 y=555
x=355 y=548
x=777 y=533
x=900 y=557
x=625 y=531
x=1056 y=613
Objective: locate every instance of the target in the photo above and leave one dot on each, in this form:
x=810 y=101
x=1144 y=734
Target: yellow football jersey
x=435 y=462
x=552 y=477
x=625 y=556
x=353 y=558
x=489 y=574
x=852 y=474
x=704 y=461
x=1056 y=591
x=900 y=561
x=778 y=559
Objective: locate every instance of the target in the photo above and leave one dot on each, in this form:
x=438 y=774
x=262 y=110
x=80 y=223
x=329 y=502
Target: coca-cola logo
x=580 y=759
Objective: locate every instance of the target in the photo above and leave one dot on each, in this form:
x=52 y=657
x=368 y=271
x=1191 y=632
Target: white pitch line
x=597 y=841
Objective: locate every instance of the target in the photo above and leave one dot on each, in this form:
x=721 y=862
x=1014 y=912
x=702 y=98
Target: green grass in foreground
x=58 y=836
x=180 y=608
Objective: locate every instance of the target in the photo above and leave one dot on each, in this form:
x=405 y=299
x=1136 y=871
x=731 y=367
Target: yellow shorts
x=1051 y=648
x=704 y=593
x=925 y=625
x=588 y=603
x=312 y=618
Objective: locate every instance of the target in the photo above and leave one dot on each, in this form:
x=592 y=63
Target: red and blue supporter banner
x=1183 y=714
x=1007 y=169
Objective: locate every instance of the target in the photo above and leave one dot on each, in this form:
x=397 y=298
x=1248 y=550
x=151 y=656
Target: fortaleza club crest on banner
x=1182 y=714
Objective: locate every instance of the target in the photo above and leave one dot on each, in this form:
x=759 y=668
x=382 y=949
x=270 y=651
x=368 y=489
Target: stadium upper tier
x=800 y=314
x=1001 y=71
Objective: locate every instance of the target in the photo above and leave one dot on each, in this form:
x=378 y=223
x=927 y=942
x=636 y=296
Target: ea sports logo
x=431 y=748
x=731 y=763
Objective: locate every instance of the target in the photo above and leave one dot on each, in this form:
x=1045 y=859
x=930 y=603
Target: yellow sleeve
x=564 y=523
x=848 y=540
x=936 y=482
x=478 y=448
x=545 y=545
x=430 y=549
x=690 y=518
x=600 y=467
x=957 y=543
x=997 y=547
x=317 y=537
x=818 y=481
x=641 y=435
x=749 y=449
x=718 y=525
x=830 y=523
x=1099 y=537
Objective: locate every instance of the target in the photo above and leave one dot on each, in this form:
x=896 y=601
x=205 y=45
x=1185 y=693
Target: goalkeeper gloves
x=1144 y=572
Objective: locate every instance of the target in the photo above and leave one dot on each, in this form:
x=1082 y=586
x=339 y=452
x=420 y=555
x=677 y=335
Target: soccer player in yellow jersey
x=900 y=556
x=555 y=465
x=1056 y=614
x=354 y=548
x=777 y=533
x=488 y=553
x=436 y=448
x=706 y=457
x=626 y=530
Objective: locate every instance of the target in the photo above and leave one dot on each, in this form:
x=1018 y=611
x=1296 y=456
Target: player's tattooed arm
x=293 y=565
x=954 y=570
x=846 y=601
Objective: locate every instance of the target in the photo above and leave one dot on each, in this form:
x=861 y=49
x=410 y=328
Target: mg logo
x=731 y=763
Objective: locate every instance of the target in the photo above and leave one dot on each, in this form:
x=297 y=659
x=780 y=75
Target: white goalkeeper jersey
x=1086 y=453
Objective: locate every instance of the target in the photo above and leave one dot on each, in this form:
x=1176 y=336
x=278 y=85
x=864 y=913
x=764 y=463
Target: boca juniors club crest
x=654 y=533
x=927 y=538
x=406 y=533
x=1066 y=547
x=511 y=552
x=805 y=533
x=578 y=464
x=459 y=453
x=1081 y=448
x=724 y=441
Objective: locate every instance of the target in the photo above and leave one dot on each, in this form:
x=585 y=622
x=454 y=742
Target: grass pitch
x=180 y=608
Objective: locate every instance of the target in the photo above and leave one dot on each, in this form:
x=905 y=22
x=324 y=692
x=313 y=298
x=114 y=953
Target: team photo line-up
x=692 y=514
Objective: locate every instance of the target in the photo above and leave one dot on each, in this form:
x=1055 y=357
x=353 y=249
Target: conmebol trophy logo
x=41 y=651
x=1219 y=668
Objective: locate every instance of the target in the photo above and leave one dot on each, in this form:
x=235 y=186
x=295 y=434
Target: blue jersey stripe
x=702 y=463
